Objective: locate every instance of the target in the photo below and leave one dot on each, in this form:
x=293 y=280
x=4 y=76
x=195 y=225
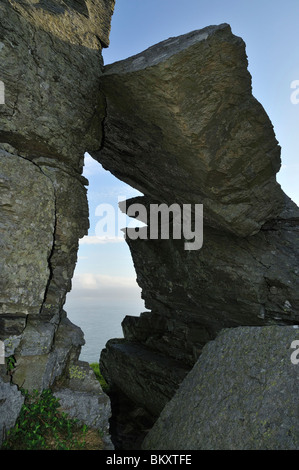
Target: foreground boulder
x=240 y=395
x=182 y=126
x=51 y=63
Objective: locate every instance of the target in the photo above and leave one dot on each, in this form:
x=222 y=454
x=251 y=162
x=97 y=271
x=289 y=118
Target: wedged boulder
x=242 y=394
x=11 y=401
x=183 y=127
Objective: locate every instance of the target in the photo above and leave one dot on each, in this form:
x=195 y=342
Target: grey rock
x=27 y=221
x=181 y=115
x=146 y=377
x=240 y=395
x=71 y=224
x=11 y=401
x=43 y=357
x=230 y=281
x=183 y=127
x=51 y=63
x=82 y=398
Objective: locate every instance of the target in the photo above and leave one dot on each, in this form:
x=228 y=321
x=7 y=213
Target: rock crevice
x=179 y=123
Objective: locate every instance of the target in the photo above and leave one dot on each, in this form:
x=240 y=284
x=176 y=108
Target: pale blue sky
x=105 y=273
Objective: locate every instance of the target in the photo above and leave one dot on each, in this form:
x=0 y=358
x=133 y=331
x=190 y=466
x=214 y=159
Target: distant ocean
x=99 y=324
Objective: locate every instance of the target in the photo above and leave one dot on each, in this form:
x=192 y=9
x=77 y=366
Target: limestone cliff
x=50 y=64
x=179 y=123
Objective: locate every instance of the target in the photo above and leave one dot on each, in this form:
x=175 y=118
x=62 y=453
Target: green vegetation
x=96 y=368
x=41 y=425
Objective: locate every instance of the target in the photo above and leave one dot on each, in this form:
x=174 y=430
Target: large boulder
x=183 y=127
x=242 y=394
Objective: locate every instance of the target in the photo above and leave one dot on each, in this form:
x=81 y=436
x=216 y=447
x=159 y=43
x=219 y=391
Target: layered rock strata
x=183 y=127
x=50 y=65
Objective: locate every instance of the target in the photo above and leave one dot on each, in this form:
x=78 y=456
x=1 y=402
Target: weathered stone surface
x=41 y=229
x=41 y=356
x=231 y=281
x=141 y=383
x=51 y=64
x=11 y=401
x=77 y=21
x=27 y=227
x=71 y=224
x=82 y=398
x=182 y=126
x=242 y=394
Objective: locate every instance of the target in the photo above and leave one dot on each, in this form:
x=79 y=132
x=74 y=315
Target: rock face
x=240 y=395
x=51 y=63
x=182 y=115
x=183 y=127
